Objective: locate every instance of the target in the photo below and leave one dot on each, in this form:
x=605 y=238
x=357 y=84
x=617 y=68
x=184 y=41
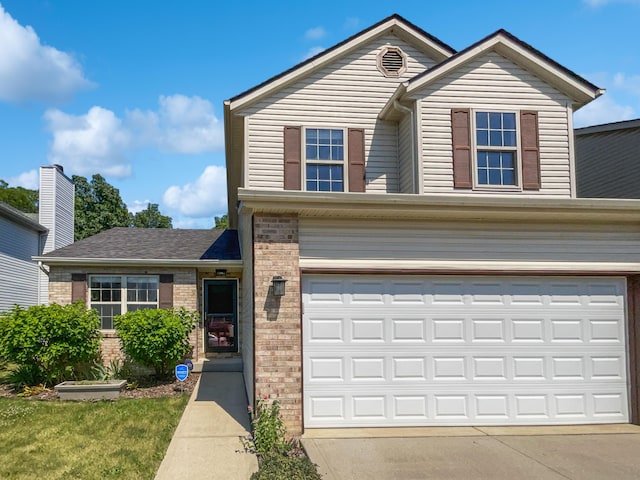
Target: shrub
x=274 y=466
x=50 y=343
x=156 y=338
x=268 y=429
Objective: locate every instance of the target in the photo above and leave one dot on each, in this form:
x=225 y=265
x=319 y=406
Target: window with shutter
x=502 y=152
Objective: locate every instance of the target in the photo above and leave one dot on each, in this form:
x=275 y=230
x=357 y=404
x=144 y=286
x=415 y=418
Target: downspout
x=408 y=110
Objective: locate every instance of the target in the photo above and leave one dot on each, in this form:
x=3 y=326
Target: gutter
x=233 y=265
x=454 y=207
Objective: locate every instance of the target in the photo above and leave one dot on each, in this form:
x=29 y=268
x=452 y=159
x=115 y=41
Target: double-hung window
x=324 y=159
x=496 y=148
x=113 y=295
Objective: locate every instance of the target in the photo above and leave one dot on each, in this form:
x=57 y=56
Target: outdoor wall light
x=278 y=285
x=221 y=272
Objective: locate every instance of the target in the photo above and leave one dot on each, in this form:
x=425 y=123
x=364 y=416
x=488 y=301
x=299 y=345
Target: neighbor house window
x=324 y=159
x=496 y=148
x=113 y=295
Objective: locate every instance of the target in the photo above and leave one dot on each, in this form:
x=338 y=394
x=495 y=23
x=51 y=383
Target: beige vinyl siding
x=493 y=82
x=405 y=155
x=407 y=245
x=245 y=232
x=18 y=273
x=350 y=92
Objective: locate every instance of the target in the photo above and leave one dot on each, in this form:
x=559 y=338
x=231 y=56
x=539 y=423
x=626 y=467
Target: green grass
x=125 y=439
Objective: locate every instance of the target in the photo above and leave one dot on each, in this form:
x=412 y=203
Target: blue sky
x=134 y=89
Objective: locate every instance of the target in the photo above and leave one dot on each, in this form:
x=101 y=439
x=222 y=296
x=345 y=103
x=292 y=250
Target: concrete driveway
x=495 y=453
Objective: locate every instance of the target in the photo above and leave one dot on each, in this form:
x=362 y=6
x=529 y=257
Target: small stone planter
x=90 y=389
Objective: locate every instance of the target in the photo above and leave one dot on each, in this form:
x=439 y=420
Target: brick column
x=278 y=320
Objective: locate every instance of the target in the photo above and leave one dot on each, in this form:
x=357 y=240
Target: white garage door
x=417 y=351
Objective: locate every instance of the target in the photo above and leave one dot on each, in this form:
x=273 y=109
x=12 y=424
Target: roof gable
x=521 y=53
x=393 y=24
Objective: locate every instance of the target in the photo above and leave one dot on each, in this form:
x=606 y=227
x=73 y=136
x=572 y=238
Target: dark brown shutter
x=292 y=152
x=78 y=287
x=530 y=150
x=356 y=160
x=461 y=139
x=165 y=295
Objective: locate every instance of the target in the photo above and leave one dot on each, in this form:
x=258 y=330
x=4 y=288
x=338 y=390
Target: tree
x=98 y=207
x=21 y=198
x=222 y=222
x=151 y=217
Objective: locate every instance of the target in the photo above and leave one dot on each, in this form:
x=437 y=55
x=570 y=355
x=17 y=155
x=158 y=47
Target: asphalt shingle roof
x=154 y=243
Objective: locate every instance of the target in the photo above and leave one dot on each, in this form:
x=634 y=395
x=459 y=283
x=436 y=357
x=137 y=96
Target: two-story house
x=419 y=206
x=23 y=236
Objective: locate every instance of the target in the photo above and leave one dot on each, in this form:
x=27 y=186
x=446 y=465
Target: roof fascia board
x=18 y=217
x=139 y=262
x=608 y=127
x=505 y=44
x=461 y=207
x=404 y=30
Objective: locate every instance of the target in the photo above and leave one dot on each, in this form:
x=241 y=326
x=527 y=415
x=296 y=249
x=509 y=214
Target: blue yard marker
x=182 y=372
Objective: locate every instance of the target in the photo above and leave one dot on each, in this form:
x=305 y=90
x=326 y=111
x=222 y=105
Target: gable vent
x=392 y=61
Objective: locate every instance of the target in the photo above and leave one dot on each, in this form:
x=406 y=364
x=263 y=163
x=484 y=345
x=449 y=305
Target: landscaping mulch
x=145 y=388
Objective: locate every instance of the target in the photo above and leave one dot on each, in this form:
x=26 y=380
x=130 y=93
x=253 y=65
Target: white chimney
x=56 y=213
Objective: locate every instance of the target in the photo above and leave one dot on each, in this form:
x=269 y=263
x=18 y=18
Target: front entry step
x=218 y=365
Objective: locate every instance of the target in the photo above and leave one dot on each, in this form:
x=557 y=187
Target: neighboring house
x=608 y=160
x=24 y=236
x=420 y=205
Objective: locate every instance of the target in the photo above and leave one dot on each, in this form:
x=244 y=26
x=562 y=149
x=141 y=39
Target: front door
x=221 y=315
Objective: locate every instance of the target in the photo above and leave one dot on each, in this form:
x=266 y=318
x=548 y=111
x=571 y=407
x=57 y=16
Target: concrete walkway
x=207 y=442
x=507 y=453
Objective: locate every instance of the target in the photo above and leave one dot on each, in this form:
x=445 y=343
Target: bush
x=268 y=428
x=156 y=338
x=274 y=466
x=50 y=343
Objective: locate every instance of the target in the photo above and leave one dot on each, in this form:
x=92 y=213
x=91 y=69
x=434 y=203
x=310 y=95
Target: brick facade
x=185 y=294
x=278 y=330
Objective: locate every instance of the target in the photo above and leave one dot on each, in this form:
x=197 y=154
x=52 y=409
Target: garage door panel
x=459 y=351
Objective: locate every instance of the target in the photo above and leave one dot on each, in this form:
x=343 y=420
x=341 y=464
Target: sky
x=134 y=89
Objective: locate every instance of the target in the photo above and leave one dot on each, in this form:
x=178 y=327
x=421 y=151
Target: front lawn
x=125 y=439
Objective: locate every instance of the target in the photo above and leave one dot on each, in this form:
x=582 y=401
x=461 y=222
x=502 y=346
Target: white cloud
x=602 y=110
x=629 y=84
x=92 y=143
x=312 y=52
x=26 y=180
x=181 y=125
x=206 y=197
x=101 y=142
x=600 y=3
x=137 y=206
x=198 y=223
x=315 y=33
x=31 y=71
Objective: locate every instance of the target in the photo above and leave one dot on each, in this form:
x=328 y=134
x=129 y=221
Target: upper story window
x=496 y=148
x=113 y=295
x=324 y=159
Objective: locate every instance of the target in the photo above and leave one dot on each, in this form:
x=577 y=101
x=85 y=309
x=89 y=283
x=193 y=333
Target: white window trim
x=344 y=163
x=123 y=293
x=517 y=149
